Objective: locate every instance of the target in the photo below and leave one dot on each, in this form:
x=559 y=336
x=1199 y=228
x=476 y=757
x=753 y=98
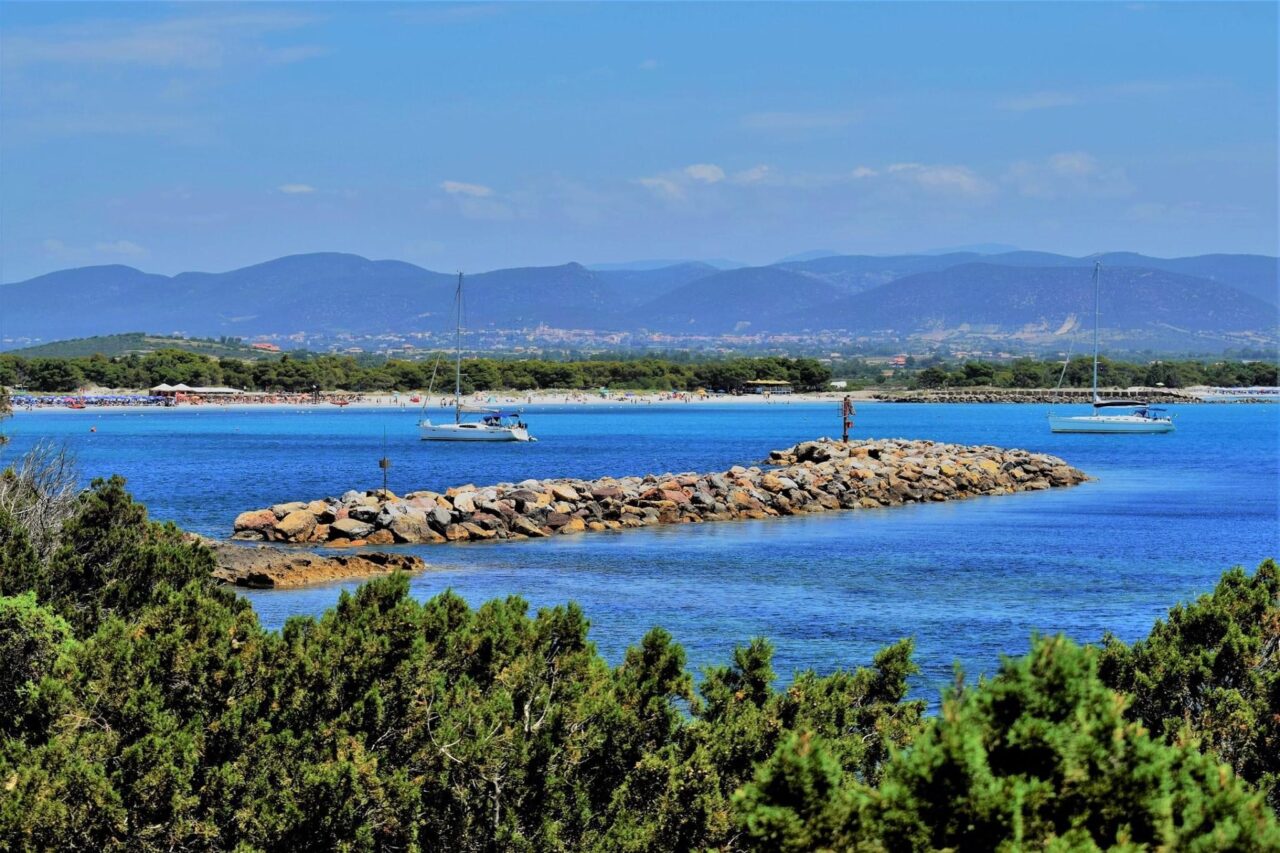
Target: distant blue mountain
x=331 y=294
x=806 y=256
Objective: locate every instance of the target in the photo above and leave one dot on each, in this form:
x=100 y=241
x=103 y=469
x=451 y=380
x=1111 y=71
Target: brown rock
x=526 y=527
x=349 y=528
x=259 y=519
x=296 y=526
x=564 y=492
x=573 y=525
x=478 y=532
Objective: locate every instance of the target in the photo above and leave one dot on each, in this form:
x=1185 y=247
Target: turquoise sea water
x=969 y=580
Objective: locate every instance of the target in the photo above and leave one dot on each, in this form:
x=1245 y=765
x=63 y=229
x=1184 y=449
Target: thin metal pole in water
x=1097 y=266
x=384 y=463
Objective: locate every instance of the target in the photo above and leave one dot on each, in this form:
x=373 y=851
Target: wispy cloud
x=663 y=187
x=198 y=42
x=800 y=120
x=705 y=173
x=1069 y=174
x=950 y=179
x=465 y=189
x=753 y=175
x=102 y=250
x=448 y=13
x=296 y=189
x=124 y=248
x=648 y=65
x=1054 y=98
x=860 y=172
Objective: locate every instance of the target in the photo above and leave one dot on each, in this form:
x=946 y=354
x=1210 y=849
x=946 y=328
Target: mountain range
x=1015 y=295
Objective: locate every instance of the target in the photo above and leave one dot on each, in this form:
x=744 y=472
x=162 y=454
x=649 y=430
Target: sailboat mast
x=1097 y=266
x=457 y=371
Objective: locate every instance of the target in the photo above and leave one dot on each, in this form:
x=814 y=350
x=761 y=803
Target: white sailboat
x=1131 y=416
x=493 y=424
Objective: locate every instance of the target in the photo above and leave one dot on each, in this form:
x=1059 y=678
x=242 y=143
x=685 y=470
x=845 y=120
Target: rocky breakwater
x=814 y=476
x=1066 y=396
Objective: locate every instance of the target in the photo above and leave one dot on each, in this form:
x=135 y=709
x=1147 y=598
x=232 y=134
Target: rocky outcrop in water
x=814 y=476
x=266 y=567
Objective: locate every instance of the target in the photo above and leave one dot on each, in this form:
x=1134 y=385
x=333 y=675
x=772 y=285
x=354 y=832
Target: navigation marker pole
x=846 y=414
x=384 y=463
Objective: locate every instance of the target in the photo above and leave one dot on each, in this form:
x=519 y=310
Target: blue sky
x=211 y=136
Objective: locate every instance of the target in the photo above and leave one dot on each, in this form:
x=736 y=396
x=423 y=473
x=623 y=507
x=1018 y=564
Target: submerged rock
x=265 y=567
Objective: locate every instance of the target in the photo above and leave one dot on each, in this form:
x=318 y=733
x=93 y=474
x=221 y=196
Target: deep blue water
x=969 y=580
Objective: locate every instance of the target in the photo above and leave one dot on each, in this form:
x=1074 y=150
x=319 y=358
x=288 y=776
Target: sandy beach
x=513 y=400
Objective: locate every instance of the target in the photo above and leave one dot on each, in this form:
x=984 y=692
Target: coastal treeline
x=1031 y=373
x=329 y=372
x=143 y=708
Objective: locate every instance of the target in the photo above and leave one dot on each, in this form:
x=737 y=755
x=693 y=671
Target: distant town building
x=265 y=347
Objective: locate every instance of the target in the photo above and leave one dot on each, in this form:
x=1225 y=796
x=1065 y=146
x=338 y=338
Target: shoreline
x=389 y=402
x=538 y=399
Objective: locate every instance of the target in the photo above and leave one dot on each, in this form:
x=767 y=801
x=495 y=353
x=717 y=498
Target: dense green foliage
x=1039 y=757
x=140 y=343
x=145 y=709
x=291 y=373
x=1212 y=672
x=1030 y=373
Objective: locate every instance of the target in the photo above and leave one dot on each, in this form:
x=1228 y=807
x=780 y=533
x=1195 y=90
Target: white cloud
x=1053 y=98
x=461 y=188
x=662 y=187
x=706 y=173
x=863 y=172
x=1067 y=174
x=1039 y=101
x=125 y=248
x=800 y=121
x=954 y=180
x=296 y=189
x=648 y=65
x=197 y=42
x=103 y=250
x=754 y=175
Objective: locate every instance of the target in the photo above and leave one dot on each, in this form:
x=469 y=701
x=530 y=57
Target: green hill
x=141 y=343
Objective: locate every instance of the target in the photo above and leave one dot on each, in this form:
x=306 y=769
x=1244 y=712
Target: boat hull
x=471 y=432
x=1109 y=424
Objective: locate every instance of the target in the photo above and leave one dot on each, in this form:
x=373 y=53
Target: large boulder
x=350 y=528
x=260 y=520
x=281 y=510
x=527 y=527
x=413 y=528
x=296 y=526
x=564 y=492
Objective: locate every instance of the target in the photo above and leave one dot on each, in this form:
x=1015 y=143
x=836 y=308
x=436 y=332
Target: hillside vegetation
x=143 y=708
x=140 y=343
